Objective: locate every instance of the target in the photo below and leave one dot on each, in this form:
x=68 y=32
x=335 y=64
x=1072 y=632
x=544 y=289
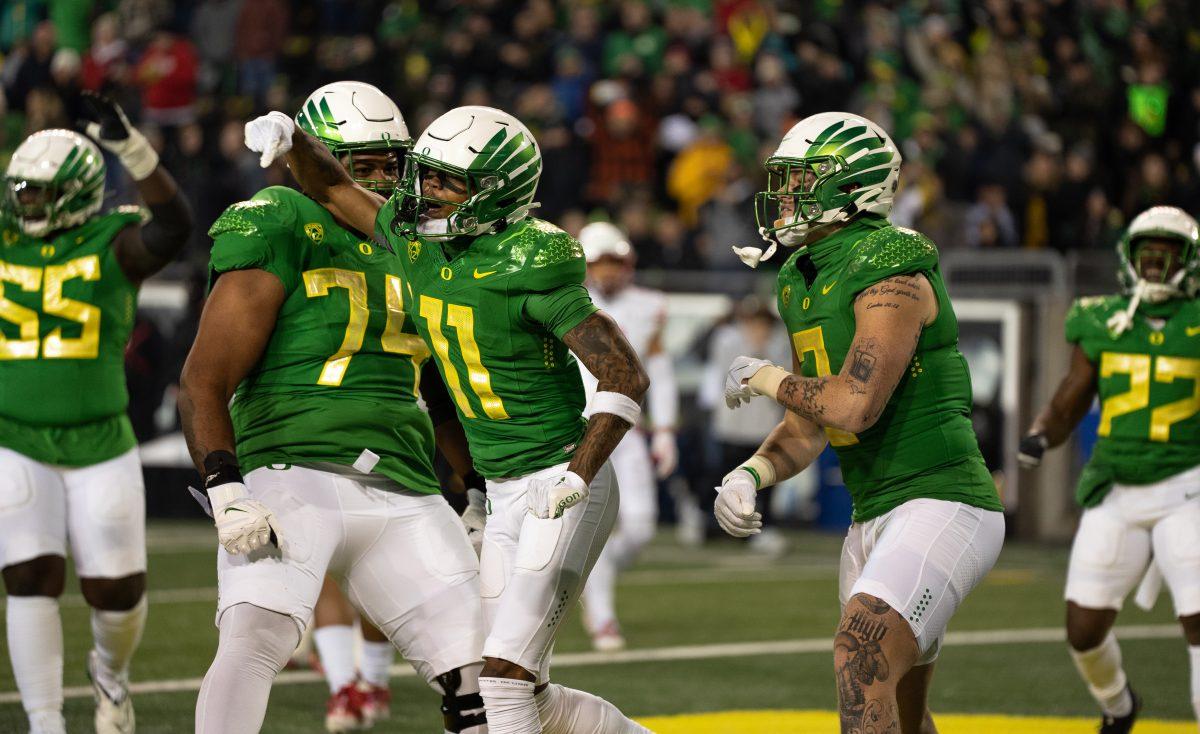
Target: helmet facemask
x=1159 y=265
x=800 y=191
x=360 y=161
x=461 y=204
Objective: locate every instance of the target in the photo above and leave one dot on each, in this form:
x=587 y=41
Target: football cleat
x=376 y=702
x=344 y=711
x=114 y=709
x=608 y=638
x=1122 y=724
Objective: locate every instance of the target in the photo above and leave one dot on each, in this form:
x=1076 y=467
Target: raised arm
x=889 y=316
x=1058 y=419
x=320 y=174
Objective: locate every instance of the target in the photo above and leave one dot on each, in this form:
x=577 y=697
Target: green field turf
x=676 y=597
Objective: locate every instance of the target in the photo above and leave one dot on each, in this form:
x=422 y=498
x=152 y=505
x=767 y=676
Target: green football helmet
x=55 y=180
x=491 y=152
x=354 y=117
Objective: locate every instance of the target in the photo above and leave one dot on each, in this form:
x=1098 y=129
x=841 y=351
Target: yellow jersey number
x=1140 y=368
x=50 y=280
x=813 y=340
x=462 y=318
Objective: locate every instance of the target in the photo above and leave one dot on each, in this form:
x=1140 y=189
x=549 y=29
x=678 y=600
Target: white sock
x=377 y=660
x=116 y=636
x=1194 y=656
x=35 y=645
x=565 y=710
x=335 y=645
x=1101 y=669
x=510 y=706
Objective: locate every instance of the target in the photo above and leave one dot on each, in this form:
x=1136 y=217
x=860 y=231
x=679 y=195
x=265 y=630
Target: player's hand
x=243 y=524
x=552 y=496
x=474 y=518
x=665 y=452
x=105 y=122
x=742 y=369
x=1030 y=451
x=734 y=507
x=270 y=135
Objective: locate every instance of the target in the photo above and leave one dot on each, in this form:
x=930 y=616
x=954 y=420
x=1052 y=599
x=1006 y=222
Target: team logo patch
x=47 y=251
x=365 y=248
x=315 y=232
x=414 y=250
x=786 y=295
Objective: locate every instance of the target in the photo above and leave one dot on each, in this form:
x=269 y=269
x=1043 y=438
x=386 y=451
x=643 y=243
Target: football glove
x=552 y=496
x=243 y=524
x=734 y=507
x=1030 y=450
x=742 y=369
x=475 y=517
x=270 y=135
x=665 y=452
x=105 y=122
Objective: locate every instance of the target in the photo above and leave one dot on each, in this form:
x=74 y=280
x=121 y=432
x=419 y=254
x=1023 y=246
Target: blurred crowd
x=1034 y=123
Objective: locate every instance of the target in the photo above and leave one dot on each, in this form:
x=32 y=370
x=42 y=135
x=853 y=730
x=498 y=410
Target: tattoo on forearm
x=803 y=395
x=862 y=365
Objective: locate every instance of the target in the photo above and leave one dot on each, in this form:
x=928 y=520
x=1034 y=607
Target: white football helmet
x=1163 y=222
x=55 y=180
x=355 y=116
x=602 y=239
x=492 y=151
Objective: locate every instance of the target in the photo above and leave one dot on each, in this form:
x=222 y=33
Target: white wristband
x=761 y=468
x=622 y=406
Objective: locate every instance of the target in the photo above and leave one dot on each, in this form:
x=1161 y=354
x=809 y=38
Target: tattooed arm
x=793 y=444
x=599 y=343
x=890 y=316
x=323 y=178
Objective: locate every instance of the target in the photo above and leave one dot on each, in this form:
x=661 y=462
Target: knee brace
x=459 y=712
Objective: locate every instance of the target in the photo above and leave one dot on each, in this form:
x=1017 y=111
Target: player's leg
x=106 y=525
x=412 y=572
x=922 y=559
x=636 y=520
x=1177 y=554
x=333 y=637
x=378 y=654
x=266 y=598
x=33 y=548
x=1108 y=556
x=550 y=565
x=912 y=697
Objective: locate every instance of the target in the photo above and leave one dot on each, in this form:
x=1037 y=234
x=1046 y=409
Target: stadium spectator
x=32 y=70
x=167 y=77
x=106 y=62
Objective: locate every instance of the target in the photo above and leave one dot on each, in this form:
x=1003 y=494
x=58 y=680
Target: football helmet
x=55 y=180
x=492 y=152
x=602 y=239
x=1159 y=222
x=350 y=117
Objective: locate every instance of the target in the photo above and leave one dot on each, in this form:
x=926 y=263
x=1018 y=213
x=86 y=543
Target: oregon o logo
x=1156 y=337
x=786 y=296
x=364 y=248
x=805 y=303
x=47 y=250
x=447 y=274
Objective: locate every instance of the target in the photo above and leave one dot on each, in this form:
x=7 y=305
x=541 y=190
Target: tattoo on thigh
x=860 y=662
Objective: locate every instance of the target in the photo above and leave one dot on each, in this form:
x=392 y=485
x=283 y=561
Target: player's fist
x=737 y=391
x=105 y=122
x=734 y=507
x=270 y=135
x=1030 y=450
x=552 y=496
x=665 y=452
x=474 y=518
x=243 y=524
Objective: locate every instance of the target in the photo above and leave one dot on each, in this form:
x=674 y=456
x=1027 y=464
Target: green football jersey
x=66 y=312
x=1149 y=387
x=923 y=445
x=493 y=310
x=340 y=372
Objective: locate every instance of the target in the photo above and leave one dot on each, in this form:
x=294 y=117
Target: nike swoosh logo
x=233 y=509
x=483 y=275
x=825 y=289
x=1192 y=330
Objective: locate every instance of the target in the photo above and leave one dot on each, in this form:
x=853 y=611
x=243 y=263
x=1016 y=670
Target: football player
x=641 y=313
x=323 y=462
x=69 y=469
x=877 y=374
x=498 y=296
x=1139 y=351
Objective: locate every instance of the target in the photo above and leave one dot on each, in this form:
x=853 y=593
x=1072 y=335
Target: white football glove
x=742 y=368
x=108 y=126
x=664 y=451
x=270 y=135
x=550 y=497
x=243 y=524
x=734 y=507
x=475 y=517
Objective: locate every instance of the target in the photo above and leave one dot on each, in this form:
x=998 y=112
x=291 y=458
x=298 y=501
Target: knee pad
x=460 y=711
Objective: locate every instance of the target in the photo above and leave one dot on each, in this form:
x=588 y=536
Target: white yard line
x=684 y=652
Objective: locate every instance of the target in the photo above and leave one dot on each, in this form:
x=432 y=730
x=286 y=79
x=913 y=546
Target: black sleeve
x=433 y=392
x=169 y=227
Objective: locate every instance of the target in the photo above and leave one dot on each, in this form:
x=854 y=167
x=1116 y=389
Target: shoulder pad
x=887 y=252
x=273 y=207
x=546 y=256
x=1089 y=316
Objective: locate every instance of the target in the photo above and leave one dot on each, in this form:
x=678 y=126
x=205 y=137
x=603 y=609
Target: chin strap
x=1121 y=321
